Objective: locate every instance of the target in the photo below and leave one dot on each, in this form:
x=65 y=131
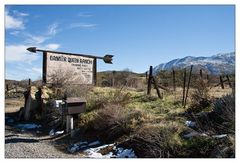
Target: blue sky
x=137 y=36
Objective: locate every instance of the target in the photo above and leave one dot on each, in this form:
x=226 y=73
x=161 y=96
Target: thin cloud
x=18 y=53
x=82 y=25
x=14 y=33
x=52 y=46
x=12 y=22
x=85 y=15
x=52 y=29
x=20 y=14
x=32 y=39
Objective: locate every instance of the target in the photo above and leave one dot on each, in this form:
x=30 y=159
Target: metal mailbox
x=75 y=105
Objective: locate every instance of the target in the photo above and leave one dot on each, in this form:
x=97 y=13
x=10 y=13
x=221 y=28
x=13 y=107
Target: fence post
x=146 y=76
x=156 y=87
x=113 y=78
x=16 y=87
x=29 y=82
x=7 y=87
x=184 y=85
x=221 y=82
x=149 y=81
x=201 y=73
x=189 y=79
x=230 y=85
x=174 y=81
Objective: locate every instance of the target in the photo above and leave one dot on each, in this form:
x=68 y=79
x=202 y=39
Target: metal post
x=69 y=125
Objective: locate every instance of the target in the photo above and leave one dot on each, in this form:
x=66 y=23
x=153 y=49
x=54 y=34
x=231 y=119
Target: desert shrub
x=209 y=147
x=224 y=111
x=99 y=101
x=198 y=147
x=114 y=121
x=200 y=99
x=157 y=141
x=221 y=119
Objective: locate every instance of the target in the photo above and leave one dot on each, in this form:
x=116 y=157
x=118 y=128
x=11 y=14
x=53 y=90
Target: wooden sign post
x=77 y=68
x=83 y=67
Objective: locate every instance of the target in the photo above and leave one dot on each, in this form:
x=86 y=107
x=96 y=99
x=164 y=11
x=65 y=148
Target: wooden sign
x=73 y=68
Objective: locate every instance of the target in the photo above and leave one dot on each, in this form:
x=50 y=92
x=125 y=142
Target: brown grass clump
x=200 y=99
x=157 y=141
x=115 y=121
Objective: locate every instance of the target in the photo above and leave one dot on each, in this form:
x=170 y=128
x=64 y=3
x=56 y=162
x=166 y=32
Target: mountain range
x=222 y=63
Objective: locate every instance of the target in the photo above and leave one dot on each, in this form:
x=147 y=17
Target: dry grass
x=13 y=105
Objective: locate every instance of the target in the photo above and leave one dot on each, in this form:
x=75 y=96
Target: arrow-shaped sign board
x=108 y=58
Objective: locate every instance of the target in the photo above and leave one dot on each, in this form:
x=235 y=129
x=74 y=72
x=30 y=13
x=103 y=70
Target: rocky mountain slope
x=222 y=63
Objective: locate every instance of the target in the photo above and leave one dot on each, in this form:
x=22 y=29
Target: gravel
x=26 y=145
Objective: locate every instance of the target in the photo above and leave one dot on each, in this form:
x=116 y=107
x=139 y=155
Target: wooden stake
x=184 y=85
x=189 y=79
x=29 y=82
x=146 y=76
x=149 y=81
x=174 y=81
x=229 y=83
x=113 y=78
x=156 y=87
x=201 y=73
x=221 y=82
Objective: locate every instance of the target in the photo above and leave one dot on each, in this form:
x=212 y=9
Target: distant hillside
x=222 y=63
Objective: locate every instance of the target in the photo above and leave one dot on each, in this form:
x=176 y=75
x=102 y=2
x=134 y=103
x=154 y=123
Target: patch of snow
x=28 y=126
x=219 y=136
x=59 y=132
x=94 y=143
x=94 y=152
x=190 y=124
x=194 y=134
x=78 y=146
x=163 y=66
x=52 y=132
x=73 y=148
x=125 y=153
